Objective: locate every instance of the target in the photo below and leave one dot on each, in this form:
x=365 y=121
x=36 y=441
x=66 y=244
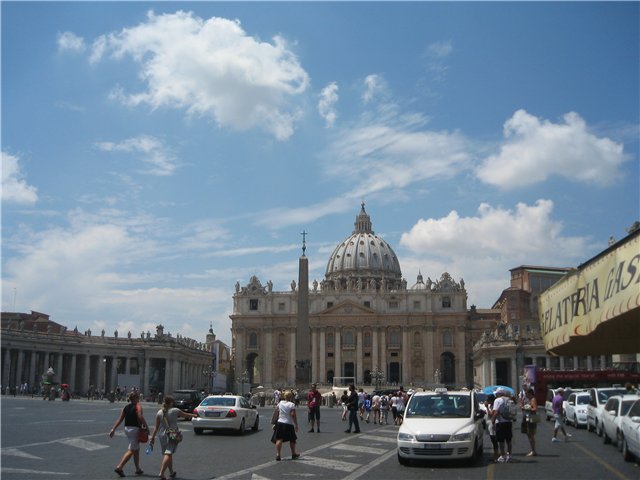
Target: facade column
x=374 y=349
x=314 y=356
x=514 y=372
x=58 y=368
x=322 y=351
x=461 y=359
x=6 y=367
x=428 y=354
x=292 y=357
x=406 y=359
x=268 y=358
x=169 y=376
x=359 y=358
x=338 y=353
x=383 y=354
x=239 y=353
x=486 y=372
x=145 y=375
x=493 y=372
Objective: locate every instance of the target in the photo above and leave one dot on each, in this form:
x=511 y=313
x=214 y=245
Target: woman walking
x=167 y=419
x=133 y=422
x=530 y=408
x=286 y=427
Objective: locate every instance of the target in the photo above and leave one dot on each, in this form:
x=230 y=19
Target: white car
x=548 y=405
x=599 y=397
x=441 y=425
x=615 y=408
x=630 y=428
x=225 y=412
x=576 y=409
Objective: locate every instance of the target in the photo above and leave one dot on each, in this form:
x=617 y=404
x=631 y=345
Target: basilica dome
x=363 y=260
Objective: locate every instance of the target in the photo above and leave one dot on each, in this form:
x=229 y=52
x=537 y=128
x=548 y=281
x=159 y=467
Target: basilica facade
x=365 y=322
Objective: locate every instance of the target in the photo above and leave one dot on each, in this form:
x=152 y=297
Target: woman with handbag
x=166 y=428
x=286 y=425
x=134 y=422
x=530 y=420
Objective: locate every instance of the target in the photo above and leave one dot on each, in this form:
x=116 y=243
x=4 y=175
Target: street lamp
x=244 y=378
x=378 y=377
x=210 y=373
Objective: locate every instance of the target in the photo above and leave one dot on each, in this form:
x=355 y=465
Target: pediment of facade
x=347 y=307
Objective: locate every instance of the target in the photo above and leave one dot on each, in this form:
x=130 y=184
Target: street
x=69 y=440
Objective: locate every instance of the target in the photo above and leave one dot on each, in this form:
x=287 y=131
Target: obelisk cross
x=304 y=241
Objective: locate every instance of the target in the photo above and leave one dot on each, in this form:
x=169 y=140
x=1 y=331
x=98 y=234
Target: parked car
x=576 y=409
x=441 y=424
x=186 y=400
x=615 y=408
x=599 y=397
x=630 y=428
x=225 y=412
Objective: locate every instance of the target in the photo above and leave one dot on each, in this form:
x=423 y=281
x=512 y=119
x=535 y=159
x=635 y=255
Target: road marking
x=32 y=472
x=371 y=465
x=258 y=477
x=329 y=463
x=378 y=438
x=360 y=449
x=609 y=467
x=18 y=453
x=83 y=444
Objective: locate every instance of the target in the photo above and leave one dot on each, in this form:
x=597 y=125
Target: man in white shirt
x=504 y=432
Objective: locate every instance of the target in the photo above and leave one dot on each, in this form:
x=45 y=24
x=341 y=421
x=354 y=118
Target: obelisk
x=303 y=333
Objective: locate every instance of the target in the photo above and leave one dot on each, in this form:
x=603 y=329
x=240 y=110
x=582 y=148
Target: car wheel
x=605 y=437
x=626 y=454
x=241 y=428
x=575 y=421
x=403 y=461
x=619 y=440
x=599 y=431
x=589 y=427
x=257 y=424
x=197 y=431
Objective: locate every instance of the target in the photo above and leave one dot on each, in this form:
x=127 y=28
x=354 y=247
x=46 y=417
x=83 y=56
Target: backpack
x=383 y=401
x=508 y=410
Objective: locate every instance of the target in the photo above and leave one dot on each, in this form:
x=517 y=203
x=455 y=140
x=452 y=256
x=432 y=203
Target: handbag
x=523 y=426
x=173 y=434
x=143 y=435
x=275 y=415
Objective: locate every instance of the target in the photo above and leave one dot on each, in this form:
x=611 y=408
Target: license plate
x=431 y=446
x=211 y=414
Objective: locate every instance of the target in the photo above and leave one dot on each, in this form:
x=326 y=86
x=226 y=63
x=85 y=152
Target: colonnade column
x=6 y=367
x=72 y=375
x=32 y=369
x=19 y=368
x=428 y=354
x=374 y=348
x=145 y=375
x=86 y=372
x=383 y=354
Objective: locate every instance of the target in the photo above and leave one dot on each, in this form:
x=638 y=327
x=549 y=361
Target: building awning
x=596 y=309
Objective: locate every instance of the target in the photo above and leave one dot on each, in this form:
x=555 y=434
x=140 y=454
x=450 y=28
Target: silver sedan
x=225 y=412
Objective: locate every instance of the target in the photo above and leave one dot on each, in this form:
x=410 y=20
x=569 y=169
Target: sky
x=155 y=153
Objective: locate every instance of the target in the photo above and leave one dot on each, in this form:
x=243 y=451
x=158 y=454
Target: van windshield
x=440 y=406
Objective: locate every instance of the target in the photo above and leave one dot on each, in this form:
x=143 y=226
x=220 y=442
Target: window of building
x=416 y=339
x=330 y=354
x=416 y=305
x=253 y=340
x=367 y=354
x=394 y=354
x=281 y=340
x=446 y=302
x=367 y=304
x=329 y=304
x=348 y=339
x=447 y=338
x=330 y=340
x=394 y=338
x=393 y=305
x=367 y=339
x=253 y=304
x=281 y=306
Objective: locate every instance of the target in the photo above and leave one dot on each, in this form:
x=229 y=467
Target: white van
x=599 y=397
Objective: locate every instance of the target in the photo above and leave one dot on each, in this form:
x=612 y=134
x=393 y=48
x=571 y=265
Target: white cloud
x=14 y=188
x=211 y=67
x=69 y=41
x=440 y=49
x=536 y=149
x=483 y=248
x=374 y=85
x=326 y=105
x=526 y=233
x=156 y=155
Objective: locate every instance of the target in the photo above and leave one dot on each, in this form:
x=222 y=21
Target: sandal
x=277 y=458
x=139 y=471
x=295 y=455
x=173 y=475
x=119 y=472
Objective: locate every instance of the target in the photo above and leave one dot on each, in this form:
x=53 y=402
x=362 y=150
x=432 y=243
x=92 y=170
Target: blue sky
x=154 y=153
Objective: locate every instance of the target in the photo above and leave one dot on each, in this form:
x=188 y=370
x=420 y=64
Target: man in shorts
x=504 y=431
x=314 y=399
